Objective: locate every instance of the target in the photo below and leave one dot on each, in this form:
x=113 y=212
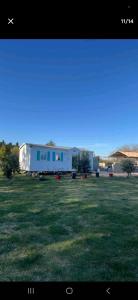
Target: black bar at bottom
x=41 y=290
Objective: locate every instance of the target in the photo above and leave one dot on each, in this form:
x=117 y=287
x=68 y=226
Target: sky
x=81 y=93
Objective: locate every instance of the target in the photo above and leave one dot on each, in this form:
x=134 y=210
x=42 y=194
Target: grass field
x=68 y=230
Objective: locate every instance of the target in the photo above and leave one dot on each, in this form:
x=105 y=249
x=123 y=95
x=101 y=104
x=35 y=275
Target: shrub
x=9 y=161
x=81 y=162
x=128 y=166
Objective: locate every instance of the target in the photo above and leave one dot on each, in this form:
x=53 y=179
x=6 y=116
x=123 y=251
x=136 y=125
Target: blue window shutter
x=38 y=155
x=61 y=156
x=48 y=155
x=53 y=156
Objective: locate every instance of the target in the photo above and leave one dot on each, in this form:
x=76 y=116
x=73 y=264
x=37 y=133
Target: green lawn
x=68 y=230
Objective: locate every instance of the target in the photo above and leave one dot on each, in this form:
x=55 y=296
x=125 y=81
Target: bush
x=8 y=173
x=81 y=162
x=9 y=161
x=128 y=166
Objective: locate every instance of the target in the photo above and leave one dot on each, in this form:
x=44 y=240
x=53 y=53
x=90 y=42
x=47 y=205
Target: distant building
x=118 y=156
x=44 y=158
x=102 y=164
x=125 y=154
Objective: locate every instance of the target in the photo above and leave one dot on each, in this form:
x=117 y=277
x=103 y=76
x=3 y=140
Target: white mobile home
x=43 y=158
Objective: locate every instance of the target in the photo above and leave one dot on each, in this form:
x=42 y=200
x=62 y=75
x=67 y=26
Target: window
x=57 y=156
x=43 y=156
x=61 y=156
x=38 y=155
x=53 y=156
x=48 y=155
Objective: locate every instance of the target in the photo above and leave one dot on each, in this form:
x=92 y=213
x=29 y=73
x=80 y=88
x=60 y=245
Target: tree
x=4 y=161
x=85 y=161
x=6 y=166
x=15 y=150
x=75 y=161
x=2 y=143
x=14 y=162
x=81 y=162
x=9 y=160
x=51 y=143
x=128 y=166
x=128 y=148
x=125 y=148
x=4 y=150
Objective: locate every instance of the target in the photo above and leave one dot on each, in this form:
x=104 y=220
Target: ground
x=69 y=230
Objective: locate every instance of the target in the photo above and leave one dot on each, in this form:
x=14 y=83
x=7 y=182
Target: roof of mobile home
x=54 y=147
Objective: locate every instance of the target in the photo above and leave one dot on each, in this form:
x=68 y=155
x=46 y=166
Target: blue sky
x=75 y=92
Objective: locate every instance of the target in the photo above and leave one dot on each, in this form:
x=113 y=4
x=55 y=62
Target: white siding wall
x=45 y=165
x=24 y=158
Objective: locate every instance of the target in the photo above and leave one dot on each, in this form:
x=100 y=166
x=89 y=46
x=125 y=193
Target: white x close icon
x=10 y=21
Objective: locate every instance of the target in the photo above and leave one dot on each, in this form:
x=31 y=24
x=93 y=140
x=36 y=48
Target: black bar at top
x=90 y=21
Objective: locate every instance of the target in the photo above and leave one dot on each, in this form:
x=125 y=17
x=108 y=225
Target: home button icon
x=69 y=290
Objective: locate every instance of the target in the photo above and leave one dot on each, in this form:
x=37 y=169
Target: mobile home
x=43 y=158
